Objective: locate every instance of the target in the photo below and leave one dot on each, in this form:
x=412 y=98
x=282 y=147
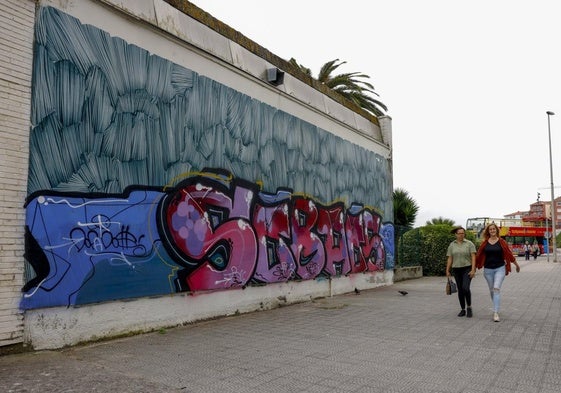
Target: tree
x=302 y=68
x=349 y=85
x=441 y=221
x=405 y=211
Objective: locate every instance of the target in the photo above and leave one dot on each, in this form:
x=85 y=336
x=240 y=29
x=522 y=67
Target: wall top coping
x=223 y=29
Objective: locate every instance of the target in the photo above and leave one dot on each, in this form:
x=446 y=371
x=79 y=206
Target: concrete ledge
x=407 y=273
x=58 y=327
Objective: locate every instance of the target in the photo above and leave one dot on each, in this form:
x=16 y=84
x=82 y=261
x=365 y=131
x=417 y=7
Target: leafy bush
x=426 y=246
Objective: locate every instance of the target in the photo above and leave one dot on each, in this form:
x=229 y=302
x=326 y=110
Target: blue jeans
x=495 y=278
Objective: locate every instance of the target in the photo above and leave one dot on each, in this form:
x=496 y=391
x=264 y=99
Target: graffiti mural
x=210 y=232
x=122 y=203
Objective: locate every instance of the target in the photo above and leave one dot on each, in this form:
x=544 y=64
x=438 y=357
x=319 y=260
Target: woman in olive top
x=461 y=260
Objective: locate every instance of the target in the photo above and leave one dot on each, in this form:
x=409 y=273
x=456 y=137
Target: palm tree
x=405 y=211
x=348 y=85
x=441 y=221
x=302 y=68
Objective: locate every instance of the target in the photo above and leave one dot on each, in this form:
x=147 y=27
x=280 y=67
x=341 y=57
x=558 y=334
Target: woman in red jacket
x=495 y=256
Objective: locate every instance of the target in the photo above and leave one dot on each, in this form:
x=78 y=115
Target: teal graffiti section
x=107 y=114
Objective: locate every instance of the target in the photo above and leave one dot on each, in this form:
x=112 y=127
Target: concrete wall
x=56 y=327
x=407 y=273
x=170 y=182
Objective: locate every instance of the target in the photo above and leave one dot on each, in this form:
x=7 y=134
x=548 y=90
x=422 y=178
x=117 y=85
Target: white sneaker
x=496 y=317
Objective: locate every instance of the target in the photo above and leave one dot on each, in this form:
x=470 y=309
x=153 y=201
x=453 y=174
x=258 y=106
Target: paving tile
x=379 y=341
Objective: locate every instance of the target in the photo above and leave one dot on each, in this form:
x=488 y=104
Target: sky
x=467 y=85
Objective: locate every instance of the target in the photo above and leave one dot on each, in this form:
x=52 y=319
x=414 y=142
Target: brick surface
x=16 y=43
x=377 y=341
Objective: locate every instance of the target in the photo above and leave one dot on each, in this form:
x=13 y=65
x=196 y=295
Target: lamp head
x=550 y=113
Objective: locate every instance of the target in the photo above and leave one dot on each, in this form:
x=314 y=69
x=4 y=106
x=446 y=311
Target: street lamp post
x=553 y=207
x=547 y=237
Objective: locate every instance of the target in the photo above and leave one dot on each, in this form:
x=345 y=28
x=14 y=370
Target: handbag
x=451 y=287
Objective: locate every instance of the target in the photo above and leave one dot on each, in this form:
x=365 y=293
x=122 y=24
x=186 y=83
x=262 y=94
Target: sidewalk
x=376 y=341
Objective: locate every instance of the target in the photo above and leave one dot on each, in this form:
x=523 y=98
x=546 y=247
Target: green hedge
x=426 y=246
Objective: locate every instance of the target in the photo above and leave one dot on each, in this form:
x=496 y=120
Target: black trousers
x=463 y=281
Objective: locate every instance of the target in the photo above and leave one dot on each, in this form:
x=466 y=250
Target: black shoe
x=469 y=313
x=462 y=313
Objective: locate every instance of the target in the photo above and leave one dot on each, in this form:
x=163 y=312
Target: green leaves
x=426 y=246
x=350 y=85
x=405 y=209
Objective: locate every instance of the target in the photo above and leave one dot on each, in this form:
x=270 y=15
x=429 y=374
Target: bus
x=512 y=230
x=516 y=237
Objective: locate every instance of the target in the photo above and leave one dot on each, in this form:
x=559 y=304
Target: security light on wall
x=275 y=76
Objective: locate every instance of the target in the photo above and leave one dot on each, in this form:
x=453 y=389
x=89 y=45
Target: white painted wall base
x=58 y=327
